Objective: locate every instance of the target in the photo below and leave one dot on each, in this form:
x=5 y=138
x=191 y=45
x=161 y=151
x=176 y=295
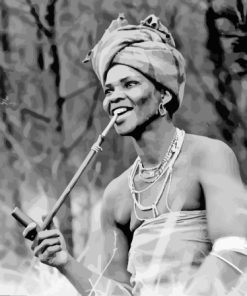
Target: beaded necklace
x=151 y=175
x=167 y=166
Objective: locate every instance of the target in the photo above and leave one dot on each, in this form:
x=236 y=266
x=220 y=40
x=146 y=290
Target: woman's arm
x=226 y=205
x=49 y=246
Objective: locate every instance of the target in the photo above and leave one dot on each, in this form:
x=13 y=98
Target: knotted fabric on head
x=148 y=48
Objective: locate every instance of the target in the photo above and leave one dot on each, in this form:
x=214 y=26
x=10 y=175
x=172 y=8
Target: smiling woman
x=182 y=195
x=134 y=94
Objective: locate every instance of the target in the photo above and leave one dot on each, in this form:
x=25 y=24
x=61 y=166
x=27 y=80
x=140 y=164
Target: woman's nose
x=115 y=97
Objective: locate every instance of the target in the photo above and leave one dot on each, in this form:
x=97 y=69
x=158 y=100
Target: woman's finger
x=46 y=234
x=41 y=248
x=51 y=251
x=49 y=256
x=30 y=227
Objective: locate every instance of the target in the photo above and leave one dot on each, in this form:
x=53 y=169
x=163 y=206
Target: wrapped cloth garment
x=167 y=251
x=148 y=48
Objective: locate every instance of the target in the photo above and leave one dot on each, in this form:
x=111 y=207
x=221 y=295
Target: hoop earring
x=162 y=109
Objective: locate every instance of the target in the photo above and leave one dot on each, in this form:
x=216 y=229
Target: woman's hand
x=49 y=246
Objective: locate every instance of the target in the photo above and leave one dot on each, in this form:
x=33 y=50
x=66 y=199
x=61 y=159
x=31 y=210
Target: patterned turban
x=149 y=48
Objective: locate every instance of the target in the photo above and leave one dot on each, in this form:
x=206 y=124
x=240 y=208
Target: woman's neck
x=152 y=145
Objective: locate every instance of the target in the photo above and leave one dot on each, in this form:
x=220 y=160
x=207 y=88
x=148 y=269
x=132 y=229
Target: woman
x=182 y=195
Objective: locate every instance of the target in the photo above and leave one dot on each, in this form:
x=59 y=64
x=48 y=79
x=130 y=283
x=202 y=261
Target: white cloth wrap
x=231 y=243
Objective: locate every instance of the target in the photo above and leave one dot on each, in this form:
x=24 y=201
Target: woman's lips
x=120 y=110
x=122 y=116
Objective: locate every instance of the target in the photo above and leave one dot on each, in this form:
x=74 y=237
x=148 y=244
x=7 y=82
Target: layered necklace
x=152 y=175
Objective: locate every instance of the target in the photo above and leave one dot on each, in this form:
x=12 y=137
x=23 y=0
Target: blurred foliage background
x=51 y=104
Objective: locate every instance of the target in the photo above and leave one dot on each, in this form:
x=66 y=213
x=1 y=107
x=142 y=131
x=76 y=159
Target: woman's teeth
x=120 y=110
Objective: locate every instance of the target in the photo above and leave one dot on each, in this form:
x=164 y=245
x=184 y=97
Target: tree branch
x=16 y=146
x=79 y=90
x=34 y=114
x=34 y=13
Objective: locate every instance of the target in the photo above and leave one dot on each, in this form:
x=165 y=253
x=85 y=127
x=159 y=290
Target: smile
x=121 y=110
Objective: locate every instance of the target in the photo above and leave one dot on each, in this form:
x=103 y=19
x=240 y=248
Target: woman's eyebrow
x=121 y=80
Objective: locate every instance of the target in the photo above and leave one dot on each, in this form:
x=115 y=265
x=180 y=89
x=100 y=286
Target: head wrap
x=148 y=48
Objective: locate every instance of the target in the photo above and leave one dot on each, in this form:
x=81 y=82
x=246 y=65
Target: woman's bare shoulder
x=202 y=140
x=205 y=149
x=115 y=202
x=118 y=185
x=117 y=190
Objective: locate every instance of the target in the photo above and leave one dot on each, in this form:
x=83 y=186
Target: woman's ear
x=166 y=97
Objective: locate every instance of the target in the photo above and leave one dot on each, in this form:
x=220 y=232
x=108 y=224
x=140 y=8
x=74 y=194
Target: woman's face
x=135 y=97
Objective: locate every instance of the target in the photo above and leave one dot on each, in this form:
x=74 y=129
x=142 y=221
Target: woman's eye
x=131 y=83
x=108 y=91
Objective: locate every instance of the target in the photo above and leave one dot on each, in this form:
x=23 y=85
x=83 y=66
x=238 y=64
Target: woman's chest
x=177 y=190
x=180 y=190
